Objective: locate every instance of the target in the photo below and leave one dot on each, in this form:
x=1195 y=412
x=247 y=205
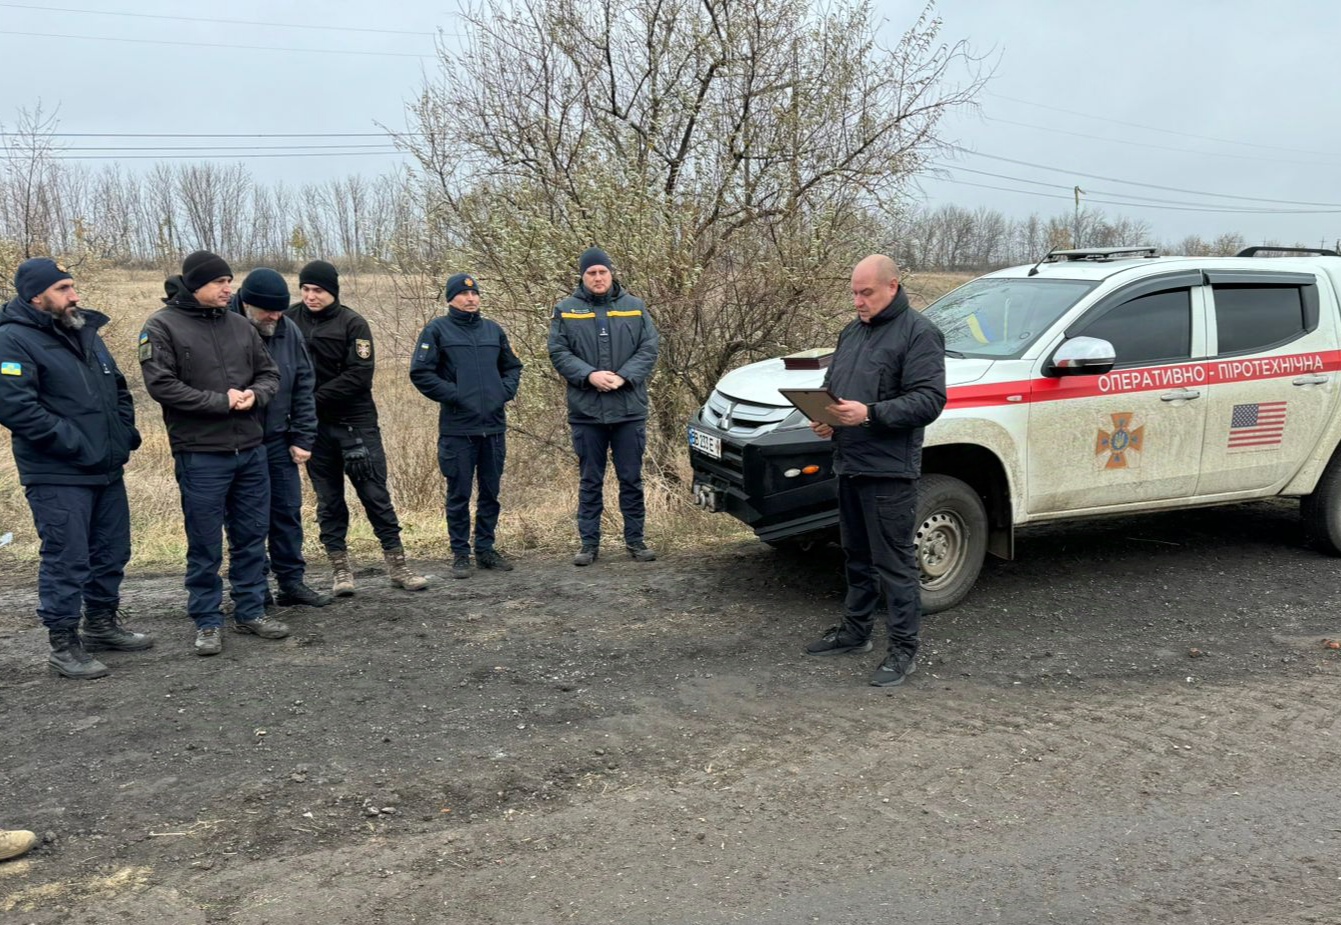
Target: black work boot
x=894 y=670
x=68 y=657
x=586 y=555
x=838 y=641
x=300 y=594
x=461 y=567
x=103 y=630
x=639 y=552
x=492 y=558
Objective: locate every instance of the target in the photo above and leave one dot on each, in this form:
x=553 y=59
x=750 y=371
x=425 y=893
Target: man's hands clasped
x=605 y=381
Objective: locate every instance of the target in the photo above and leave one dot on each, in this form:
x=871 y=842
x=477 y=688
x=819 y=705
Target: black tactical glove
x=358 y=464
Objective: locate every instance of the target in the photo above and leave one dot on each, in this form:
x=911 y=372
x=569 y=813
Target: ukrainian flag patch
x=11 y=369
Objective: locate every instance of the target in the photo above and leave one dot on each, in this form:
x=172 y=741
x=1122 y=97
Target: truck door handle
x=1181 y=395
x=1313 y=379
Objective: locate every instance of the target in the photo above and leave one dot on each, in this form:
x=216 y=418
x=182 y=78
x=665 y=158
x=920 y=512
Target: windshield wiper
x=954 y=353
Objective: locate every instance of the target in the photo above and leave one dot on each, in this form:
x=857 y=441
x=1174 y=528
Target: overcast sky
x=1214 y=99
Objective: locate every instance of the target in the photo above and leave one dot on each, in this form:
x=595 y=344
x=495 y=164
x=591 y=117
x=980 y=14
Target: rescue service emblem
x=1121 y=447
x=470 y=283
x=363 y=348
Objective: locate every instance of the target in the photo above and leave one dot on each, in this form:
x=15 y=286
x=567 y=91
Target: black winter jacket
x=63 y=399
x=190 y=357
x=292 y=413
x=465 y=364
x=896 y=366
x=611 y=332
x=341 y=346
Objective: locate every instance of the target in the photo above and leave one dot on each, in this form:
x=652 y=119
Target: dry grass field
x=540 y=483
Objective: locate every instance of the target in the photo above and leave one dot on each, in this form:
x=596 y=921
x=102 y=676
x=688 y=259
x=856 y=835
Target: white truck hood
x=758 y=383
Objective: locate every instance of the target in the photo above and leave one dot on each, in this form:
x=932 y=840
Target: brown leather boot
x=400 y=573
x=342 y=579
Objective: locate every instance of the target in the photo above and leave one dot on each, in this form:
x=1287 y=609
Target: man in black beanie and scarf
x=209 y=370
x=349 y=442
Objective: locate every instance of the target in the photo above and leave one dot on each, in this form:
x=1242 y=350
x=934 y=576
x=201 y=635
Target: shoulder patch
x=144 y=336
x=146 y=349
x=363 y=348
x=11 y=369
x=425 y=346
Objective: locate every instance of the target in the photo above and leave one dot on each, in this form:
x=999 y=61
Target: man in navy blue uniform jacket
x=464 y=363
x=290 y=430
x=73 y=425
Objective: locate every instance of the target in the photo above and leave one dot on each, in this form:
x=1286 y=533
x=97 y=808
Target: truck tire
x=951 y=540
x=1322 y=509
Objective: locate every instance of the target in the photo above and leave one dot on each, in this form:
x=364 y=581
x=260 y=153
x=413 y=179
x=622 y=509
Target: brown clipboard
x=813 y=404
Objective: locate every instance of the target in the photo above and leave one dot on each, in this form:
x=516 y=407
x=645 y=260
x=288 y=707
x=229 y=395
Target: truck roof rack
x=1102 y=253
x=1273 y=249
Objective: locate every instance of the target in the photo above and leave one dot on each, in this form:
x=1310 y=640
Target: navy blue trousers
x=286 y=514
x=624 y=443
x=875 y=518
x=85 y=533
x=465 y=462
x=225 y=492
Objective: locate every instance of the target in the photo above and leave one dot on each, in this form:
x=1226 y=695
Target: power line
x=215 y=135
x=1167 y=189
x=319 y=51
x=1139 y=205
x=205 y=148
x=213 y=157
x=1145 y=144
x=232 y=22
x=1155 y=128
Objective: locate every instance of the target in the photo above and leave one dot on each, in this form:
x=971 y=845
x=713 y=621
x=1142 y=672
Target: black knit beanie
x=202 y=268
x=320 y=273
x=594 y=257
x=265 y=289
x=461 y=282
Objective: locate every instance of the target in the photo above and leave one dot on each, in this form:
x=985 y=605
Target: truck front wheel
x=951 y=540
x=1322 y=509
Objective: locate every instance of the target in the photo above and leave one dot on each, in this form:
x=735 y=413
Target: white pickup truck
x=1100 y=381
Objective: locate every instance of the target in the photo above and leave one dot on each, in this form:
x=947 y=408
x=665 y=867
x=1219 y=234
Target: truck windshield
x=1000 y=317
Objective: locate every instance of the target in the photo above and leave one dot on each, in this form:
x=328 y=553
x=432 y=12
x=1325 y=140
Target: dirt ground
x=635 y=743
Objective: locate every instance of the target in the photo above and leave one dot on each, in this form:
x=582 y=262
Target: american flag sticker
x=1259 y=426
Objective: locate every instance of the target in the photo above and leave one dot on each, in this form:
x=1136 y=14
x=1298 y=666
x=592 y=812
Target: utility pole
x=1075 y=228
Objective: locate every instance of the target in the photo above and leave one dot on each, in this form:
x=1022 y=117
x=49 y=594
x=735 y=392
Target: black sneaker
x=265 y=627
x=299 y=594
x=836 y=641
x=587 y=555
x=894 y=669
x=461 y=567
x=640 y=553
x=492 y=558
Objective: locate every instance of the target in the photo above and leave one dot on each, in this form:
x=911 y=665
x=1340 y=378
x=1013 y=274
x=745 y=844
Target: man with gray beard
x=290 y=431
x=73 y=425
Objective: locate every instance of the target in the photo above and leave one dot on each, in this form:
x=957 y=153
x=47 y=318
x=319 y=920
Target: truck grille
x=741 y=418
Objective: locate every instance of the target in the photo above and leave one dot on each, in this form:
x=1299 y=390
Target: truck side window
x=1151 y=327
x=1254 y=317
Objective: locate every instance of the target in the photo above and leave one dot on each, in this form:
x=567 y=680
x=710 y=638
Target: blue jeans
x=465 y=461
x=286 y=514
x=225 y=491
x=624 y=443
x=85 y=532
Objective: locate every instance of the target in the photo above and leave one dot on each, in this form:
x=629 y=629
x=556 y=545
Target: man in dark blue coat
x=290 y=431
x=888 y=374
x=73 y=424
x=603 y=342
x=465 y=363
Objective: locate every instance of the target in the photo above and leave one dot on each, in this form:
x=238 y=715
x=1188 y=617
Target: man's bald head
x=875 y=282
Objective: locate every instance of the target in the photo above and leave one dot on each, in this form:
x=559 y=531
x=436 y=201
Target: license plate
x=708 y=444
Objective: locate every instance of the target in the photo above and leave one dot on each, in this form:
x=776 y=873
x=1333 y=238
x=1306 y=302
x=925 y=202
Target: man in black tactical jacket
x=290 y=430
x=349 y=442
x=465 y=363
x=209 y=369
x=888 y=375
x=70 y=414
x=603 y=342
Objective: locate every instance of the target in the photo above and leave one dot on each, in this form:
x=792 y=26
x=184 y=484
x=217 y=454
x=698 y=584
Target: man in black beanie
x=209 y=369
x=72 y=423
x=603 y=342
x=349 y=442
x=290 y=430
x=465 y=363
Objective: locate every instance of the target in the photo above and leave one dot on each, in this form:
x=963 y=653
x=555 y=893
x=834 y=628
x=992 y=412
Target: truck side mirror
x=1083 y=356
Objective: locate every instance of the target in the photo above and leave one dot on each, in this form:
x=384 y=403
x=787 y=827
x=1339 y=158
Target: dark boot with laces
x=894 y=670
x=299 y=594
x=69 y=658
x=103 y=629
x=492 y=558
x=838 y=640
x=586 y=555
x=639 y=552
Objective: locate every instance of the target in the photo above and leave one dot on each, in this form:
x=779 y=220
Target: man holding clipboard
x=886 y=383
